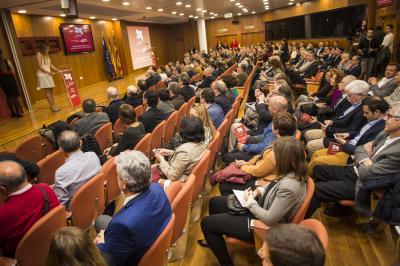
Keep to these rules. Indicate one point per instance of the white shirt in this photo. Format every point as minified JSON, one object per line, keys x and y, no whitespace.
{"x":127,"y":199}
{"x":383,"y":81}
{"x":388,"y":141}
{"x":388,"y":41}
{"x":21,"y":190}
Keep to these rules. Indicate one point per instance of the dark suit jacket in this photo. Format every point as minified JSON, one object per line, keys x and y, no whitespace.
{"x":311,"y":70}
{"x":187,"y":92}
{"x":151,"y":118}
{"x":223,"y":101}
{"x":90,"y":123}
{"x":368,"y":136}
{"x":112,"y":110}
{"x":136,"y":226}
{"x":153,"y":79}
{"x":134,"y":100}
{"x":355,"y":71}
{"x":206,"y":83}
{"x":351,"y":123}
{"x":178,"y":101}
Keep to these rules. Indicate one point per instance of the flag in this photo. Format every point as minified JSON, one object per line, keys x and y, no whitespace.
{"x":117,"y":58}
{"x":112,"y":57}
{"x":107,"y":60}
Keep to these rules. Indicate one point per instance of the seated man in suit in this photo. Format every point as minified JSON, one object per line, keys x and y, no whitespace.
{"x":215,"y":111}
{"x":374,"y":109}
{"x":185,"y":90}
{"x":221,"y":99}
{"x":374,"y":160}
{"x":78,"y":168}
{"x":310,"y":68}
{"x":23,"y":207}
{"x":152,"y":78}
{"x":335,"y":58}
{"x":152,"y":116}
{"x":387,"y":84}
{"x":114,"y":103}
{"x":133,"y":97}
{"x":208,"y":78}
{"x":92,"y":120}
{"x":350,"y":121}
{"x":146,"y":212}
{"x":165,"y":104}
{"x":176,"y":98}
{"x":355,"y":66}
{"x":256,"y":144}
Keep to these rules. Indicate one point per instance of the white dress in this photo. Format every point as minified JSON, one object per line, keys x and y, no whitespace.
{"x":44,"y":80}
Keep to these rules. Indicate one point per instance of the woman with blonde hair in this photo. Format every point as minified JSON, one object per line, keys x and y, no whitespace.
{"x":44,"y":74}
{"x":70,"y":246}
{"x":201,"y":112}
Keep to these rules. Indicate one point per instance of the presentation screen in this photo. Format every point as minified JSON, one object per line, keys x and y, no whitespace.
{"x":77,"y":38}
{"x":140,"y":45}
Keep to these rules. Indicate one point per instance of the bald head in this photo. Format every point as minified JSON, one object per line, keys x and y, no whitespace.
{"x":69,"y":141}
{"x":12,"y":177}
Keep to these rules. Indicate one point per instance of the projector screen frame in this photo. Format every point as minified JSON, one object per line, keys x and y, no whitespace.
{"x":63,"y":39}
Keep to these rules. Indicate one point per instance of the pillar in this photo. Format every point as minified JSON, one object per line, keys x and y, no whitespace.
{"x":201,"y":32}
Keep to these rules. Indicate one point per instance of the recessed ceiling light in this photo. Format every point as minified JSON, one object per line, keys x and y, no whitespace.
{"x":62,"y":15}
{"x":22,"y":11}
{"x":126,"y":3}
{"x":239,"y":14}
{"x":173,"y":12}
{"x":232,"y":0}
{"x":114,"y":19}
{"x":196,"y":16}
{"x":212,"y":17}
{"x":92,"y":17}
{"x":105,"y":0}
{"x":245,"y":11}
{"x":215,"y":15}
{"x":238,"y":4}
{"x":190,"y":16}
{"x":198,"y":9}
{"x":290,"y":4}
{"x":160,"y":10}
{"x":149,"y":8}
{"x":187,"y":6}
{"x":181,"y":14}
{"x":178,"y":3}
{"x":253,"y":12}
{"x":204,"y":11}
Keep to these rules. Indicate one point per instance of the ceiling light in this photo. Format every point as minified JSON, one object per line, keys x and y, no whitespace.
{"x":238,"y":4}
{"x":62,"y":15}
{"x":148,"y":8}
{"x":212,"y":17}
{"x":215,"y":15}
{"x":298,"y":4}
{"x":105,"y":0}
{"x":290,"y":3}
{"x":190,"y":16}
{"x":196,"y":16}
{"x":253,"y":12}
{"x":181,"y":14}
{"x":173,"y":12}
{"x":126,"y":3}
{"x":92,"y":17}
{"x":245,"y":11}
{"x":204,"y":11}
{"x":187,"y":6}
{"x":178,"y":3}
{"x":22,"y":11}
{"x":114,"y":19}
{"x":198,"y":9}
{"x":160,"y":10}
{"x":232,"y":0}
{"x":239,"y":14}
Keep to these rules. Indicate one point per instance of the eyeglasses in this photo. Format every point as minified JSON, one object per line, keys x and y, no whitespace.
{"x":388,"y":115}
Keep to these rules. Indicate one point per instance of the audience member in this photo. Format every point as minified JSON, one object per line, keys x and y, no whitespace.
{"x":72,"y":246}
{"x":130,"y":232}
{"x":354,"y":67}
{"x":200,"y":111}
{"x":142,"y":85}
{"x":152,"y":116}
{"x":395,"y":96}
{"x":176,"y":98}
{"x":165,"y":104}
{"x":373,"y":161}
{"x":31,"y":169}
{"x":291,"y":244}
{"x":78,"y":168}
{"x":133,"y":133}
{"x":219,"y":89}
{"x":185,"y":89}
{"x":114,"y":103}
{"x":241,"y":75}
{"x":368,"y":48}
{"x":387,"y":84}
{"x":152,"y":78}
{"x":208,"y":78}
{"x":181,"y":161}
{"x":133,"y":98}
{"x":215,"y":111}
{"x":23,"y":207}
{"x":277,"y":202}
{"x":92,"y":120}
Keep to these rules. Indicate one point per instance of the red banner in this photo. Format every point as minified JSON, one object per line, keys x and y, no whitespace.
{"x":70,"y":85}
{"x":384,"y":3}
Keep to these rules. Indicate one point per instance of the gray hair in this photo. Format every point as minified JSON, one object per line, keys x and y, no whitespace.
{"x":279,"y":102}
{"x":12,"y":175}
{"x":358,"y":87}
{"x":220,"y":86}
{"x":347,"y":79}
{"x":396,"y":108}
{"x":131,"y":90}
{"x":112,"y":93}
{"x":69,"y":141}
{"x":173,"y":87}
{"x":134,"y":169}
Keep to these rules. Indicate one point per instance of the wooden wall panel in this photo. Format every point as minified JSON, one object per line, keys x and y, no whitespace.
{"x":181,"y":37}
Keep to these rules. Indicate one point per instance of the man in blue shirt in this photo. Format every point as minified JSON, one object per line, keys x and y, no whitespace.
{"x":145,"y":213}
{"x":256,"y":144}
{"x":215,"y":111}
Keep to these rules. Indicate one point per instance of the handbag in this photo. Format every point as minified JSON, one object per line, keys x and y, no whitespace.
{"x":235,"y":208}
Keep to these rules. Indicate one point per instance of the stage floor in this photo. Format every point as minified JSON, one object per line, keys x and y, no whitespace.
{"x":13,"y":131}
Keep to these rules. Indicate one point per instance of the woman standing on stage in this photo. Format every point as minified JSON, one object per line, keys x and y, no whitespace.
{"x":44,"y":75}
{"x":9,"y":85}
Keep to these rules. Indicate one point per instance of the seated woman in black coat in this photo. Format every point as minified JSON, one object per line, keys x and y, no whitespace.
{"x":134,"y":131}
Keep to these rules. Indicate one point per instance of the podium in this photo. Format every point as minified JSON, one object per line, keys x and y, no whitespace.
{"x":70,"y":86}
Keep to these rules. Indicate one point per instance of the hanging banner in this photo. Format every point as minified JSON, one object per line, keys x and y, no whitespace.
{"x":71,"y":88}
